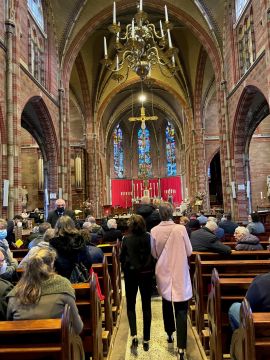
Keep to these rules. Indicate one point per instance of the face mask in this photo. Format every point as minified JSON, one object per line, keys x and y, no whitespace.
{"x":3,"y":234}
{"x":60,"y":210}
{"x":19,"y":224}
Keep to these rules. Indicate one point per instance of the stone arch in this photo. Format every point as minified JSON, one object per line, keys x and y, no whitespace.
{"x":36,"y":119}
{"x":252,"y":109}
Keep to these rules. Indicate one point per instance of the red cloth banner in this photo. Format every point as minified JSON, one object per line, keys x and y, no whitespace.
{"x":121,"y":193}
{"x":171,"y":189}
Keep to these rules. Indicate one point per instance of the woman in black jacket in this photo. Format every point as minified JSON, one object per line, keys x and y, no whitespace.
{"x":70,"y":246}
{"x":137,"y":264}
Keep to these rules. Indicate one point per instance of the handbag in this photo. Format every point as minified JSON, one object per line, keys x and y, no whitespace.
{"x":79,"y":274}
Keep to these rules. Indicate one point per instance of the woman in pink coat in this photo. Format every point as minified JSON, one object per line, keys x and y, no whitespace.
{"x":171,"y":246}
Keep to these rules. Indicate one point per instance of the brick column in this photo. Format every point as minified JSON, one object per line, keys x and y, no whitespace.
{"x":10,"y":112}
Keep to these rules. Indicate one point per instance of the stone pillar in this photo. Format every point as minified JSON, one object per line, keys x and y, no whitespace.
{"x":10,"y":112}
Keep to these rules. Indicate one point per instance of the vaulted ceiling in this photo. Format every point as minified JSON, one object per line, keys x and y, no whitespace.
{"x":80,"y":28}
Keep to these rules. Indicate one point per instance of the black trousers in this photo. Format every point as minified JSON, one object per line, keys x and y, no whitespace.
{"x":180,"y":309}
{"x":143,"y":282}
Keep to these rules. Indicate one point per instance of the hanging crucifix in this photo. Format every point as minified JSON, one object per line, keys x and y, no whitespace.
{"x":143,"y":117}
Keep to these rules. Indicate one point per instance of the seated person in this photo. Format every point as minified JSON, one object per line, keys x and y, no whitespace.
{"x":201,"y":218}
{"x":193,"y":223}
{"x":258,"y":296}
{"x":96,"y":229}
{"x":112,"y":234}
{"x":41,"y":293}
{"x":96,"y":253}
{"x":5,"y":288}
{"x":41,"y":231}
{"x":205,"y":239}
{"x":219,"y":231}
{"x":255,"y":226}
{"x":45,"y":243}
{"x":245,"y":240}
{"x":227,"y":224}
{"x":8,"y":266}
{"x":184,"y":220}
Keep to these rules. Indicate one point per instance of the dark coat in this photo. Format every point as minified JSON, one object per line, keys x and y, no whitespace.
{"x":136,"y":253}
{"x":71,"y":249}
{"x":258,"y":293}
{"x":249,"y":242}
{"x":228,"y":226}
{"x":5,"y":288}
{"x":112,"y":235}
{"x":150,"y":215}
{"x":205,"y":240}
{"x":53,"y":216}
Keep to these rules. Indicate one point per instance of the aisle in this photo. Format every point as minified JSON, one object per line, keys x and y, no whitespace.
{"x":159,"y":348}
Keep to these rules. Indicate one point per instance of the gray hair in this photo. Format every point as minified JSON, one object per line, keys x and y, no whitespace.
{"x":87,"y":225}
{"x":212,"y":218}
{"x":112,"y":224}
{"x":241,"y":230}
{"x":211,"y":225}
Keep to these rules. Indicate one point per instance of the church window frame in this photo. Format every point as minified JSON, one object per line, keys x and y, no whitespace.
{"x":170,"y":145}
{"x":144,"y":153}
{"x":118,"y":152}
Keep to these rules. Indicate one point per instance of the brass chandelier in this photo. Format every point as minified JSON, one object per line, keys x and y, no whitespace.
{"x":140,"y":46}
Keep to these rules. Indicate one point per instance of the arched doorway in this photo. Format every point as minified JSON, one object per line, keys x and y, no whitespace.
{"x":215,"y":183}
{"x":252,"y":109}
{"x":39,"y":153}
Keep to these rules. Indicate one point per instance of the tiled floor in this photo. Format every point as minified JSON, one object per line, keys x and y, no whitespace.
{"x":159,"y":348}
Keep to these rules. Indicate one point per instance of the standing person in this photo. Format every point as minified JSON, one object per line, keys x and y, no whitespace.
{"x":171,"y":247}
{"x":41,"y":293}
{"x":70,"y":246}
{"x":137,"y":265}
{"x":60,"y":210}
{"x":148,"y":212}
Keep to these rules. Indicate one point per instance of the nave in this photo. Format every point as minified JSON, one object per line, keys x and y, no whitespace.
{"x":159,"y":348}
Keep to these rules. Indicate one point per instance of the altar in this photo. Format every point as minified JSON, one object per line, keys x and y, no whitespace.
{"x":127,"y":192}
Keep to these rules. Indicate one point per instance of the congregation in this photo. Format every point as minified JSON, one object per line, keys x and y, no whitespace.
{"x":155,"y":251}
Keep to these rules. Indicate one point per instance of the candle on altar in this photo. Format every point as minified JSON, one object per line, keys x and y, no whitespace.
{"x":137,"y":190}
{"x":154,"y":190}
{"x":157,"y":190}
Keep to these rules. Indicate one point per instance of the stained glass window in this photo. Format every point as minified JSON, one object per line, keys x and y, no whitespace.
{"x":118,"y":152}
{"x":35,"y":7}
{"x":145,"y":163}
{"x":170,"y":150}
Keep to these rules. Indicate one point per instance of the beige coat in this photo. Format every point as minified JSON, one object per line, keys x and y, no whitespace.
{"x":170,"y":244}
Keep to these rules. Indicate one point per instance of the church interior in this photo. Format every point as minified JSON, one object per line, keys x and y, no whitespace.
{"x":105,"y":102}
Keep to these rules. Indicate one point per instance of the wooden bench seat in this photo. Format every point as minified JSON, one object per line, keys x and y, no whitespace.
{"x":89,"y":308}
{"x":52,"y":339}
{"x":253,"y":336}
{"x":225,"y":268}
{"x":224,"y":292}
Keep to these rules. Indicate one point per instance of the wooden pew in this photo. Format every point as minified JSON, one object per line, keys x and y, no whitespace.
{"x":232,"y":244}
{"x":254,"y":334}
{"x":225,"y":268}
{"x":235,"y":255}
{"x":52,"y":339}
{"x":115,"y":272}
{"x":89,"y":308}
{"x":224,"y":292}
{"x":106,"y":288}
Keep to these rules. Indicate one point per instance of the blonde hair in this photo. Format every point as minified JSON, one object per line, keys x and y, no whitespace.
{"x":241,"y":230}
{"x":3,"y":224}
{"x":65,"y":225}
{"x":184,"y":220}
{"x":38,"y":268}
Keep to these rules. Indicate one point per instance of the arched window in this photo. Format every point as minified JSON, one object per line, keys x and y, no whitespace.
{"x":239,"y":7}
{"x":170,"y":150}
{"x":36,"y":10}
{"x":145,"y":164}
{"x":118,"y":152}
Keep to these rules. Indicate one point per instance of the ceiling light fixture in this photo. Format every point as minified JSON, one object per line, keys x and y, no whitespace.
{"x":140,"y":46}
